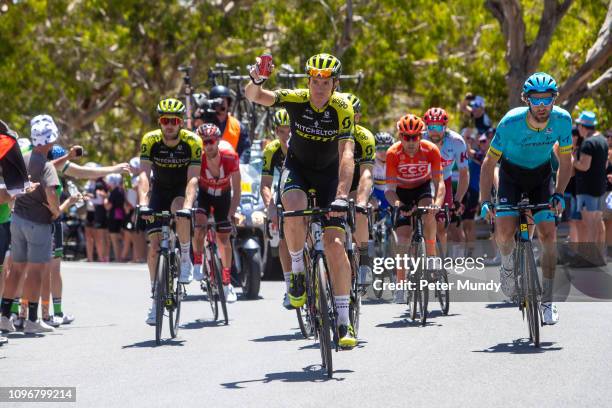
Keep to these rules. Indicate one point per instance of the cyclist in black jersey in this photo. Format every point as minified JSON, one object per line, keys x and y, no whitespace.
{"x":361,"y":188}
{"x":320,"y":156}
{"x":274,"y":159}
{"x":173,"y":155}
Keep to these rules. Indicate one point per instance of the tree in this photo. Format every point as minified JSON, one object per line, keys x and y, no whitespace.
{"x":523,"y":57}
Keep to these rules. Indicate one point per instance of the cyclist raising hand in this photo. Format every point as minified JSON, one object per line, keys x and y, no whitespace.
{"x":320,"y":157}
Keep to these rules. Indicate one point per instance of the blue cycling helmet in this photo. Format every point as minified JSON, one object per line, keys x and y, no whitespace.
{"x":540,"y":82}
{"x":56,"y":152}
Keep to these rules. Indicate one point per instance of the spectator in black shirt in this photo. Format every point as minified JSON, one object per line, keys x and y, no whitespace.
{"x":591,"y":180}
{"x":608,"y":202}
{"x":474,"y":107}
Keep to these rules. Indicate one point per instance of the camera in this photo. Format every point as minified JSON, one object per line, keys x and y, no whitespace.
{"x":205,"y":105}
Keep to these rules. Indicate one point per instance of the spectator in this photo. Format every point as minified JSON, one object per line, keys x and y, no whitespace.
{"x":591,"y":182}
{"x":133,"y":237}
{"x":100,"y":219}
{"x":114,"y":205}
{"x":474,"y":107}
{"x":470,"y":201}
{"x":608,"y":202}
{"x":12,"y":166}
{"x":31,"y":228}
{"x":232,"y":130}
{"x":570,"y":192}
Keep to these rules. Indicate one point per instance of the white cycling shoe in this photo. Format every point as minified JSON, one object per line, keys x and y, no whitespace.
{"x":197,"y":272}
{"x":230,"y":295}
{"x":151,"y":317}
{"x":550,"y":313}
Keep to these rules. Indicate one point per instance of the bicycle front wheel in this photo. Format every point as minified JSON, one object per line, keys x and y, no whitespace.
{"x":324,"y":328}
{"x":161,"y":279}
{"x":532,"y":296}
{"x":443,"y":293}
{"x":355,"y":296}
{"x":174,"y":313}
{"x":217,"y":268}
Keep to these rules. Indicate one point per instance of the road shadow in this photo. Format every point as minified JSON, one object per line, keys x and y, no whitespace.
{"x":279,"y":337}
{"x":520,"y":346}
{"x":312,"y":373}
{"x":96,"y":326}
{"x":153,"y":344}
{"x":405,"y":322}
{"x":199,"y":324}
{"x":501,"y":305}
{"x":195,"y":298}
{"x":312,"y":345}
{"x":244,"y":298}
{"x":438,"y":313}
{"x":375,"y":302}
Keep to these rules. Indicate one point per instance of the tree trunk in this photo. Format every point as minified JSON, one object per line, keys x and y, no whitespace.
{"x":522,"y":58}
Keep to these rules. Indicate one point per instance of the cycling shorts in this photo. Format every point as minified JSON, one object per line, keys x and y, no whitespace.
{"x":411,"y":197}
{"x":217,"y":206}
{"x":161,"y":200}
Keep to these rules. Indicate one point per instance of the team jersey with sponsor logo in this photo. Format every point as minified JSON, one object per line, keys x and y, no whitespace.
{"x":412,"y":171}
{"x":274,"y":158}
{"x":452,"y":151}
{"x":527,"y":147}
{"x":315,"y":132}
{"x":217,"y":185}
{"x":170,"y":164}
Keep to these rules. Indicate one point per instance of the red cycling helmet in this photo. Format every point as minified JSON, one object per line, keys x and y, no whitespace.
{"x":208,"y":130}
{"x":411,"y":125}
{"x":435,"y":115}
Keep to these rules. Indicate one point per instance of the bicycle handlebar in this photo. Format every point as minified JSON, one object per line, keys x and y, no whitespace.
{"x":313,"y":212}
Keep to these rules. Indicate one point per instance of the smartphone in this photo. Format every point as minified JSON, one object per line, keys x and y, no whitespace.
{"x":79,"y":151}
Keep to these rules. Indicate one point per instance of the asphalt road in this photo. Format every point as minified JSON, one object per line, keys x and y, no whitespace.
{"x":476,"y":356}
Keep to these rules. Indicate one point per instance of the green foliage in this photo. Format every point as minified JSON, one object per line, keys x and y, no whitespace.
{"x":99,"y":67}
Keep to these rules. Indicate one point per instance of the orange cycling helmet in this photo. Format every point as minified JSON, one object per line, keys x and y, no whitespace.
{"x":435,"y":115}
{"x":410,"y":124}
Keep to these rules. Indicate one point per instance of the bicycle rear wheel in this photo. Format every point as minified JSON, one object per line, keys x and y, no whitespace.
{"x":212,"y":298}
{"x":323,"y":310}
{"x":160,"y":295}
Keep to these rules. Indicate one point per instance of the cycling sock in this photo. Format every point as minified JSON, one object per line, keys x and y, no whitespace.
{"x":15,"y":306}
{"x":225,"y":276}
{"x":364,"y":258}
{"x":6,"y":307}
{"x":197,"y":258}
{"x":44,"y":307}
{"x":342,"y":306}
{"x":24,"y":308}
{"x":33,"y":311}
{"x":507,"y":262}
{"x":57,"y":307}
{"x":185,"y":249}
{"x":297,"y":261}
{"x":547,"y":292}
{"x":287,"y":276}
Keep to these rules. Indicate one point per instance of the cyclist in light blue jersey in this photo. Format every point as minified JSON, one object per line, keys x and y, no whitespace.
{"x":523,"y":144}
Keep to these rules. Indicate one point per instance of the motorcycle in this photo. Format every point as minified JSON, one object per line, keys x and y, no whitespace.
{"x":249,"y":241}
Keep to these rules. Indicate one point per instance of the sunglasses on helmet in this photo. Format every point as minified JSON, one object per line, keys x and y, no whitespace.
{"x":170,"y":120}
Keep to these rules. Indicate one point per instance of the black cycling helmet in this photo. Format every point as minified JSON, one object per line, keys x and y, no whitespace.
{"x":220,"y":91}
